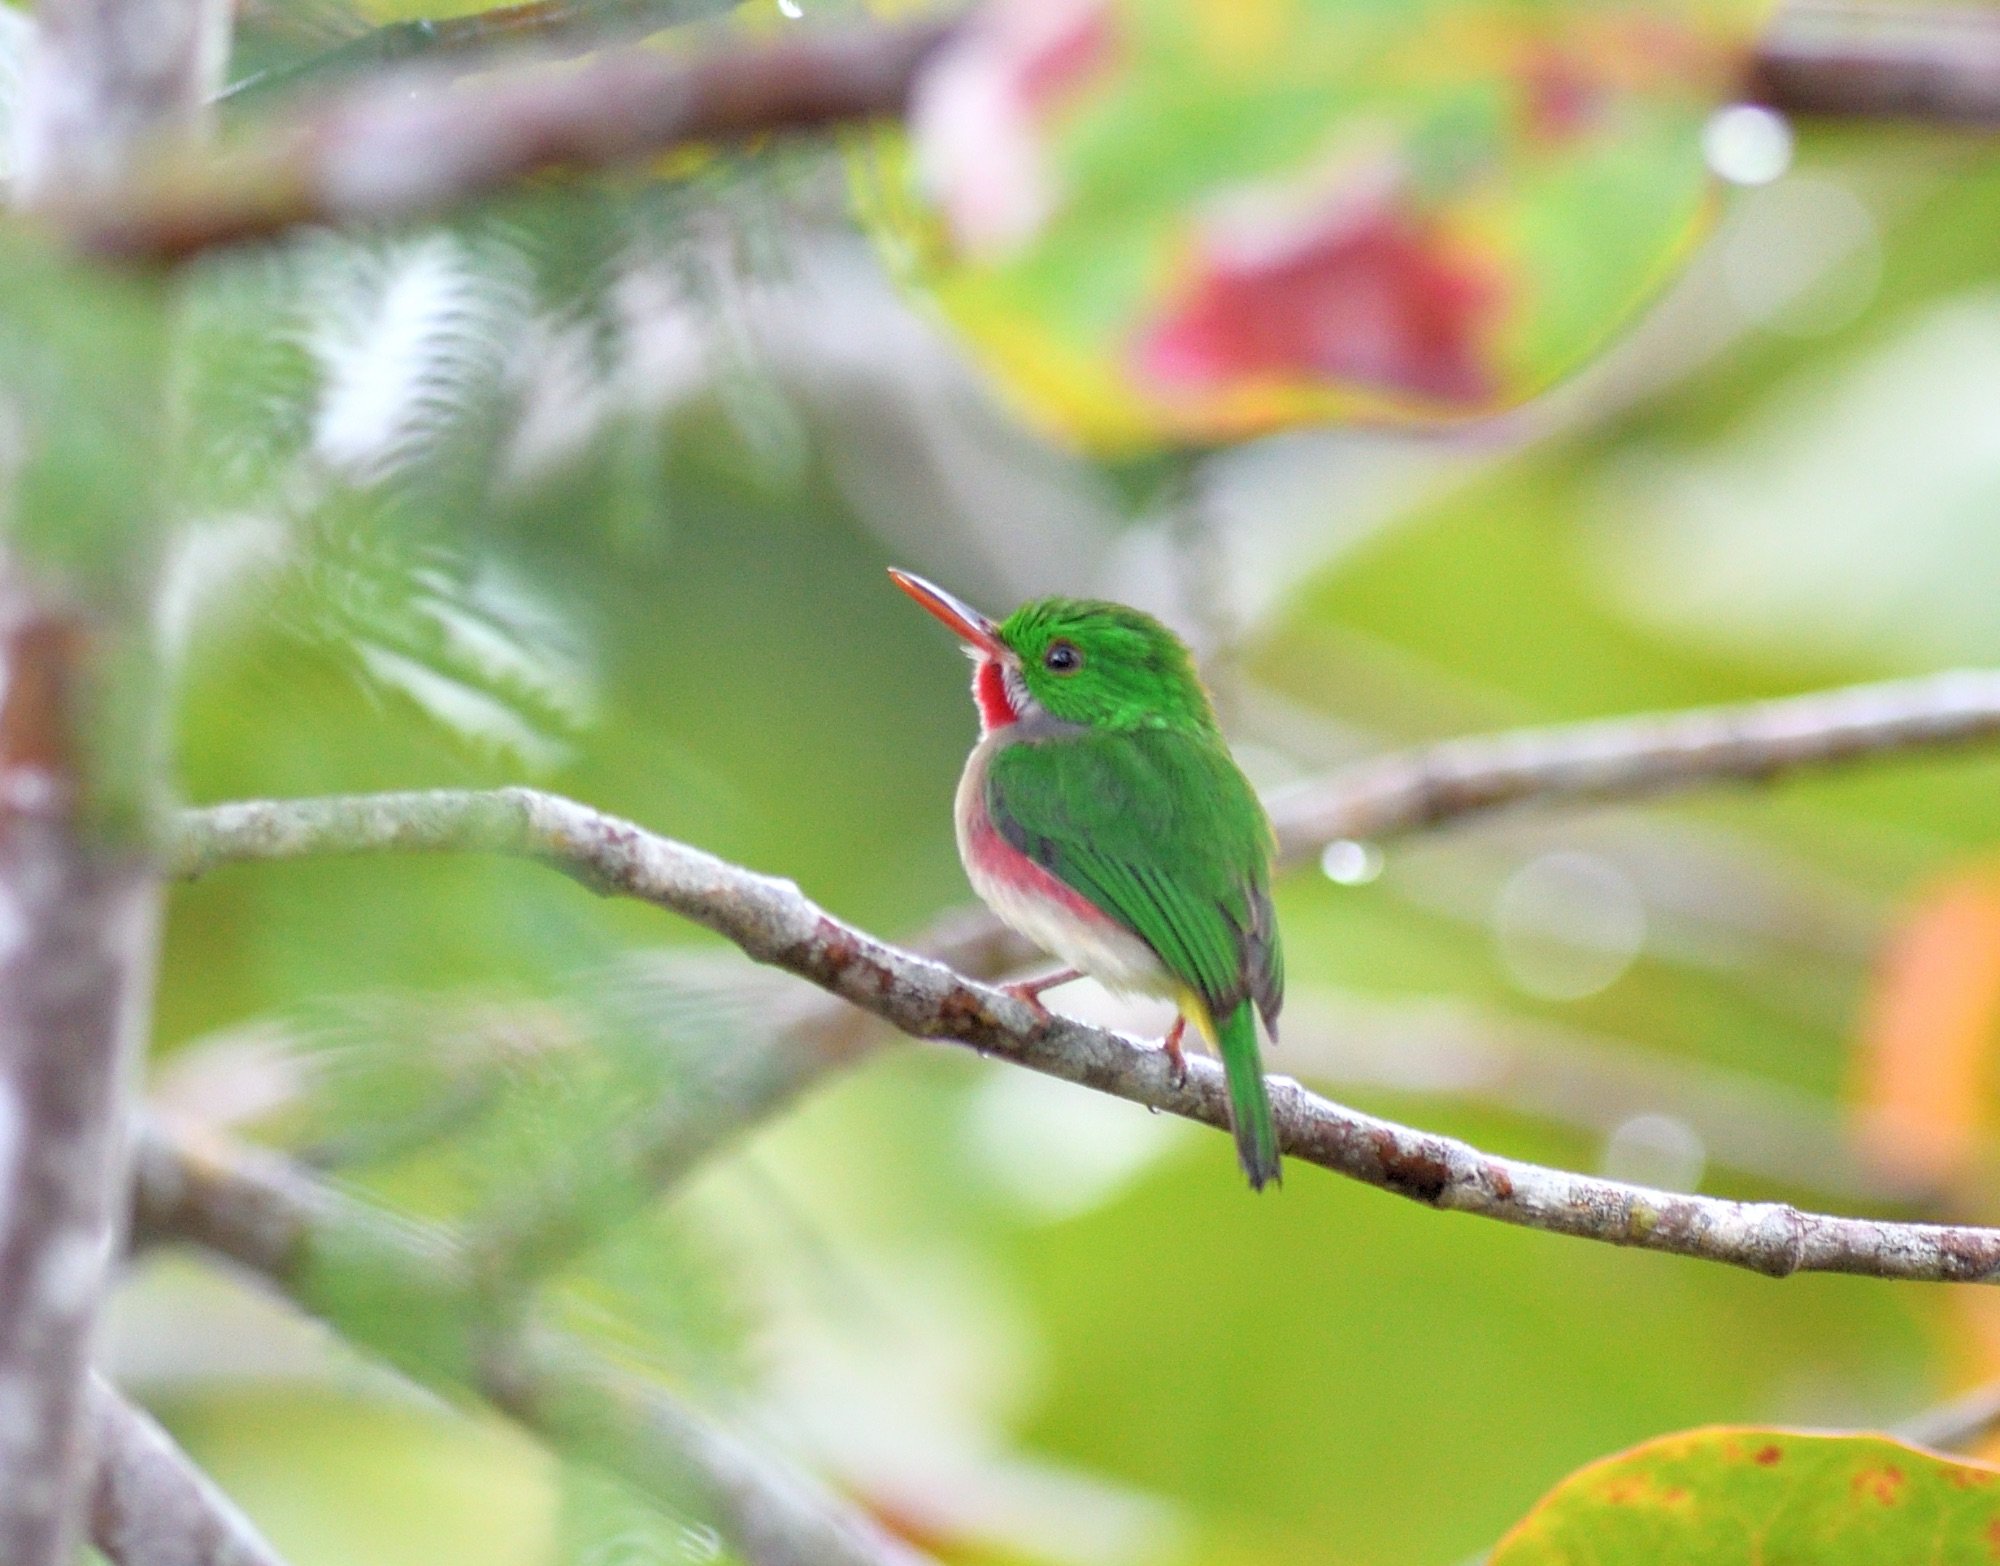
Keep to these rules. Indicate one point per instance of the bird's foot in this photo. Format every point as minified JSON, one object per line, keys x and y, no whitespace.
{"x":1176,"y":1058}
{"x":1030,"y":990}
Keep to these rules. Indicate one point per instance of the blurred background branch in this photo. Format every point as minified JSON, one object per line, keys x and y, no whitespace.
{"x":105,"y":82}
{"x":1628,"y":758}
{"x":273,"y":1219}
{"x":1599,"y":762}
{"x":150,"y":1505}
{"x":1930,"y":64}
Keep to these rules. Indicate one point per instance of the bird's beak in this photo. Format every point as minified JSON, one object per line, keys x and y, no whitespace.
{"x":979,"y":633}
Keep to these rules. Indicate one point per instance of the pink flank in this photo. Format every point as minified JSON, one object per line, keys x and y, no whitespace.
{"x":994,"y":859}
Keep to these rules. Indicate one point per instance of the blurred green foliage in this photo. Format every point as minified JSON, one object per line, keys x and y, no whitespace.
{"x":562,"y":493}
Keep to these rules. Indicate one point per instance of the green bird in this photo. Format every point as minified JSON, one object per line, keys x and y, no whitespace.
{"x":1102,"y":816}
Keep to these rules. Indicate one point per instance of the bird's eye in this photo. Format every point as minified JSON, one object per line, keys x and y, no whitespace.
{"x":1062,"y":658}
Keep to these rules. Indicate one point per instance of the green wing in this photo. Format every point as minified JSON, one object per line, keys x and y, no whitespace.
{"x":1160,"y":830}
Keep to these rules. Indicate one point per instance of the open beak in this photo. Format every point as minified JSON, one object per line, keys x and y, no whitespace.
{"x":979,"y":633}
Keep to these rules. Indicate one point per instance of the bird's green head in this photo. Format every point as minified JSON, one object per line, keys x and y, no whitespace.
{"x":1079,"y":660}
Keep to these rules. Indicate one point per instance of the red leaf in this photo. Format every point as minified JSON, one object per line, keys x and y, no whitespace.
{"x":1372,"y":294}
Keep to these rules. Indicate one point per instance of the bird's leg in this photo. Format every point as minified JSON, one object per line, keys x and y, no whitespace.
{"x":1030,"y":990}
{"x":1176,"y":1060}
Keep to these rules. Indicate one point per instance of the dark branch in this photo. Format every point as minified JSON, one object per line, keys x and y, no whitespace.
{"x":403,"y":149}
{"x":1916,"y":63}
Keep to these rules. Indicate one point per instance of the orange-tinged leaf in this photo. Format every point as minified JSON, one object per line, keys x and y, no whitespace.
{"x":1925,"y":1065}
{"x":1740,"y":1496}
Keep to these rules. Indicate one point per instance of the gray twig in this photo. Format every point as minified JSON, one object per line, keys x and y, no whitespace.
{"x":1407,"y":791}
{"x":1621,"y":759}
{"x":150,"y":1504}
{"x":775,"y":923}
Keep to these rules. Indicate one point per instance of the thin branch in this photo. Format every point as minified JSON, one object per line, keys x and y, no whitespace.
{"x":400,"y":149}
{"x":271,"y":1218}
{"x":1635,"y":758}
{"x":151,"y":1506}
{"x":1428,"y":1050}
{"x":1612,"y":760}
{"x":534,"y":1232}
{"x":774,"y":923}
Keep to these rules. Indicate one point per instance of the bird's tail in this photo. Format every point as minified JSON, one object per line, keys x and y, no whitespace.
{"x":1249,"y":1100}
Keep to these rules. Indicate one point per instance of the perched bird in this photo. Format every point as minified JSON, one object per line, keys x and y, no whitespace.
{"x":1102,"y":816}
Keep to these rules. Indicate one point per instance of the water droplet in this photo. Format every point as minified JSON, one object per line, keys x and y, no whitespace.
{"x":699,"y":1542}
{"x":1662,"y":1151}
{"x":1349,"y":863}
{"x":1802,"y":258}
{"x":790,"y":8}
{"x":1568,"y":925}
{"x":1747,"y":144}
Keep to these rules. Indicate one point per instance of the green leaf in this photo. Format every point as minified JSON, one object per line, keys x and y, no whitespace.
{"x":1736,"y":1494}
{"x":1171,"y":221}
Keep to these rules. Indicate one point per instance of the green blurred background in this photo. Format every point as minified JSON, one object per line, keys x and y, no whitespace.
{"x":1023,"y":1323}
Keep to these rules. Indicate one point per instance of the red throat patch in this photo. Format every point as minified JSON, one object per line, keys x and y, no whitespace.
{"x":989,"y":690}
